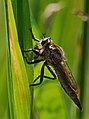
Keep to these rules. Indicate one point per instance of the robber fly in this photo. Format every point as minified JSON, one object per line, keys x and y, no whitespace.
{"x":53,"y":56}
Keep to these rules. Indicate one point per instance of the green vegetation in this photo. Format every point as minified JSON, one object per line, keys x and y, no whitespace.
{"x":67,"y":23}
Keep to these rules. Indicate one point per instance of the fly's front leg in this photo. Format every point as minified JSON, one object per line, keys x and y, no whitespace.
{"x":33,"y":36}
{"x":28,"y":50}
{"x":33,"y":61}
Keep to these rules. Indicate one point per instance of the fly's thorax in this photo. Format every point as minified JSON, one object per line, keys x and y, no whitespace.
{"x":57,"y":53}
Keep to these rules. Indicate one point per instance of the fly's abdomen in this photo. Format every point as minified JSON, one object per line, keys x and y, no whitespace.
{"x":67,"y":81}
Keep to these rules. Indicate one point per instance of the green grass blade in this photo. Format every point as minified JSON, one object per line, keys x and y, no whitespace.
{"x":4,"y":110}
{"x":21,"y":97}
{"x":25,"y":39}
{"x":84,"y":64}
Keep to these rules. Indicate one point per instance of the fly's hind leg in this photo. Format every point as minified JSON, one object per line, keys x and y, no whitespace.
{"x":52,"y":72}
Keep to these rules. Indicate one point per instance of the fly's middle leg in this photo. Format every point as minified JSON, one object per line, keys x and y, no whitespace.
{"x":41,"y":76}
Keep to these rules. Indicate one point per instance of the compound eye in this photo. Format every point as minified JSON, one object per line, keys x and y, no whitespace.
{"x":44,"y":41}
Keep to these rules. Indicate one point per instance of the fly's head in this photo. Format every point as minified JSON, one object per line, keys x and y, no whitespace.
{"x":42,"y":46}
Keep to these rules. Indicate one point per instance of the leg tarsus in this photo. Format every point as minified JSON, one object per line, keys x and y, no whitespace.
{"x":35,"y":84}
{"x":53,"y":78}
{"x":36,"y":80}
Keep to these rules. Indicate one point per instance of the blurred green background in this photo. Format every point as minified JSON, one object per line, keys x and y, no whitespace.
{"x":67,"y":23}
